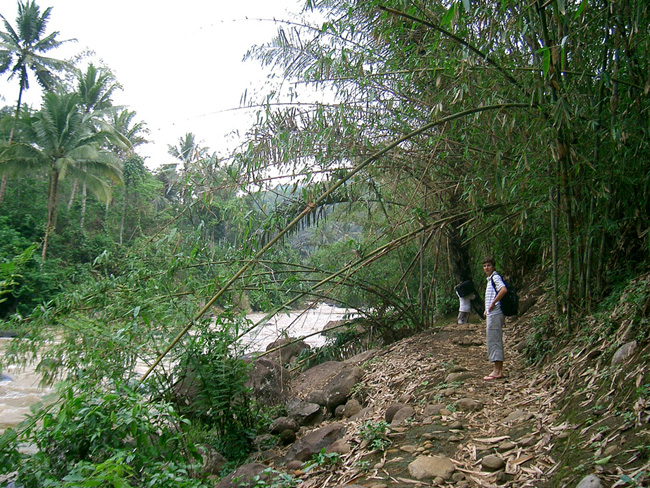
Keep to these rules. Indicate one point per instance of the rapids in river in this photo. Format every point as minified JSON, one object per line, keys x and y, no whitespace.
{"x":20,"y":389}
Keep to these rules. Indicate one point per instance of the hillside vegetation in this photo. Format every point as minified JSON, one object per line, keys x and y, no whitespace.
{"x":397,"y":144}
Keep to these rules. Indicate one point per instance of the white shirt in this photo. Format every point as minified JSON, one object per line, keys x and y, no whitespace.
{"x":491,"y":293}
{"x":465,"y":302}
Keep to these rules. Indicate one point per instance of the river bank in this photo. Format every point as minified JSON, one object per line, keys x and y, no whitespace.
{"x":20,"y":386}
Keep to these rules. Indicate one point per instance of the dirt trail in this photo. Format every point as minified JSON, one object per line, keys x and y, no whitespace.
{"x":457,"y":414}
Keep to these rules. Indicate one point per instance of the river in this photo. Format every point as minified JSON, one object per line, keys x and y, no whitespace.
{"x":19,"y":388}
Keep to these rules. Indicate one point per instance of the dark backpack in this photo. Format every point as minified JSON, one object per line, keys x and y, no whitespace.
{"x":510,"y":301}
{"x":465,"y":288}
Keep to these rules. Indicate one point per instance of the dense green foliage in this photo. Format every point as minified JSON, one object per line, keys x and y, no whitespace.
{"x":455,"y":130}
{"x":107,"y":437}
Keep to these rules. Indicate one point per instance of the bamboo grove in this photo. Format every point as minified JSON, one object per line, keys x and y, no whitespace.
{"x":543,"y":160}
{"x":442,"y":132}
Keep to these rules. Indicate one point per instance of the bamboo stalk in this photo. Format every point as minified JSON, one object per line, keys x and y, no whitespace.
{"x":309,"y":208}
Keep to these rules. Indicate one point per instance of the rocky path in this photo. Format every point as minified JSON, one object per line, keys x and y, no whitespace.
{"x":419,"y":413}
{"x":424,"y":416}
{"x":491,"y":432}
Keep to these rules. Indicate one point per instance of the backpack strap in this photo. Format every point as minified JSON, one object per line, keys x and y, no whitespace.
{"x":495,"y":286}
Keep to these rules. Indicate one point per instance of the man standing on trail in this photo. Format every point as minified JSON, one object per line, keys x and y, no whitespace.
{"x":466,"y":293}
{"x":494,"y":292}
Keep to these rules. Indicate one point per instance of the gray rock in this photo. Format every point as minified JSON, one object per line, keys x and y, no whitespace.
{"x":624,"y":352}
{"x":306,"y":413}
{"x":339,"y":411}
{"x":243,"y":477}
{"x":362,"y":357}
{"x":317,"y":397}
{"x":591,"y":481}
{"x":294,"y":465}
{"x":314,"y":441}
{"x":457,"y":377}
{"x":517,"y":415}
{"x":431,"y":467}
{"x":527,"y":441}
{"x":213,"y":461}
{"x":431,"y":410}
{"x":285,"y":350}
{"x":492,"y":463}
{"x":392,"y":410}
{"x":468,"y":405}
{"x":506,"y":446}
{"x":339,"y":446}
{"x":317,"y":377}
{"x":339,"y":388}
{"x":402,"y":415}
{"x":269,"y":381}
{"x":362,"y":413}
{"x":352,"y":407}
{"x":283,"y":423}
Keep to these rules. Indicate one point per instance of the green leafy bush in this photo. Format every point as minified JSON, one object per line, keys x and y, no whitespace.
{"x":212,"y":386}
{"x":116,"y":437}
{"x":376,"y":435}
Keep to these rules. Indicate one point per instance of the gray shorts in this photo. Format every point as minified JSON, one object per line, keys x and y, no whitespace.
{"x":463,"y":317}
{"x":494,"y":332}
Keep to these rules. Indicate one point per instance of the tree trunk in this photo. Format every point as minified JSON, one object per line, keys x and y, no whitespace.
{"x":3,"y":188}
{"x":3,"y":183}
{"x":122,"y":220}
{"x":83,"y":205}
{"x":72,"y":194}
{"x":51,"y":211}
{"x":554,"y":248}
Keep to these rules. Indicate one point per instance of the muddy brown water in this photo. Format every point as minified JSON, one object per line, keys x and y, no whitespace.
{"x":20,"y":388}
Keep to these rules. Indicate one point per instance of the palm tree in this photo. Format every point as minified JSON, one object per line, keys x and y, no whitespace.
{"x":61,"y":139}
{"x":190,"y":153}
{"x":22,"y":50}
{"x":95,"y":88}
{"x":134,"y":169}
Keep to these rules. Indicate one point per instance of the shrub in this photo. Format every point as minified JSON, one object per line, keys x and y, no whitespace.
{"x":116,"y":437}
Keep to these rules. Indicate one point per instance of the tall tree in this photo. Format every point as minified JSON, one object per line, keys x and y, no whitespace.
{"x":95,"y":88}
{"x":23,"y":49}
{"x":189,"y":153}
{"x":62,"y":140}
{"x":134,"y":170}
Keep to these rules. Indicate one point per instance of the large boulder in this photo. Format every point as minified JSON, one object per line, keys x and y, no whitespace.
{"x":313,"y":442}
{"x":283,"y":423}
{"x":339,"y":388}
{"x":306,"y":413}
{"x":392,"y":410}
{"x":431,"y":467}
{"x":362,"y":357}
{"x":402,"y":415}
{"x":286,"y":349}
{"x":317,"y":377}
{"x":244,"y":476}
{"x":188,"y":387}
{"x":213,"y":461}
{"x":624,"y":352}
{"x":268,"y":381}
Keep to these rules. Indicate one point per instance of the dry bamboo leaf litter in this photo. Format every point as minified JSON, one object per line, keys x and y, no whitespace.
{"x":403,"y":370}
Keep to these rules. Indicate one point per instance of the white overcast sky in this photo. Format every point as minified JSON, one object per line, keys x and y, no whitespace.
{"x":180,"y":63}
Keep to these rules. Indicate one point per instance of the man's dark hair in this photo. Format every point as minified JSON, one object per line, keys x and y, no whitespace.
{"x":490,"y":260}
